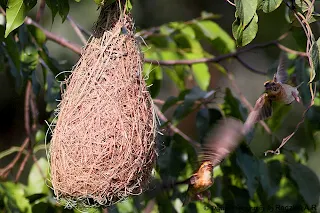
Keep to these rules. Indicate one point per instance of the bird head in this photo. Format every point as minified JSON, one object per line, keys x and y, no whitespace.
{"x":206,"y":166}
{"x":272,"y":87}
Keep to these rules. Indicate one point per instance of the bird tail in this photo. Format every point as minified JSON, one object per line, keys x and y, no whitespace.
{"x":300,"y":84}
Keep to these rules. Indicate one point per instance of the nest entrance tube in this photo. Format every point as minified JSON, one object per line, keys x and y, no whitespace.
{"x":103,"y":145}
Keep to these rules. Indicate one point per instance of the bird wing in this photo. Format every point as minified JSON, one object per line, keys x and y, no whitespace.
{"x":282,"y":75}
{"x":261,"y":111}
{"x":222,"y":140}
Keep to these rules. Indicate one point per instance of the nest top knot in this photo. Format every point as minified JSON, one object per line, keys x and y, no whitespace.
{"x":103,"y":145}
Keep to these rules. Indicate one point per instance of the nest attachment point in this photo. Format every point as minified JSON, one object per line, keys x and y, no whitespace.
{"x":103,"y":144}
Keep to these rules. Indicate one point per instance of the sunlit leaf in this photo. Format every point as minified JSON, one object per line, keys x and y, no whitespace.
{"x":16,"y":13}
{"x":37,"y":178}
{"x":270,"y":5}
{"x":200,"y":71}
{"x":38,"y":34}
{"x":244,"y":34}
{"x":14,"y":197}
{"x":219,"y":38}
{"x":153,"y":77}
{"x":246,"y":10}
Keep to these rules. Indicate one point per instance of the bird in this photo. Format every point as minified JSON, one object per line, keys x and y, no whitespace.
{"x":276,"y":90}
{"x":220,"y":142}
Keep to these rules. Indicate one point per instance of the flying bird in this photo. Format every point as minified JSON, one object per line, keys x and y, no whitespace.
{"x":277,"y":90}
{"x":221,"y":141}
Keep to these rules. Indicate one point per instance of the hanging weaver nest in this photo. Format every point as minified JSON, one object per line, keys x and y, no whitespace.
{"x":103,"y":145}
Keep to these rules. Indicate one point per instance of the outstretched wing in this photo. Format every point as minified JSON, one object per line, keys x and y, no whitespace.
{"x":282,"y":75}
{"x":261,"y":111}
{"x":222,"y":140}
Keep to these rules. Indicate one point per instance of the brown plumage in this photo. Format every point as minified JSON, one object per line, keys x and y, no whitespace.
{"x":275,"y":90}
{"x":221,"y":141}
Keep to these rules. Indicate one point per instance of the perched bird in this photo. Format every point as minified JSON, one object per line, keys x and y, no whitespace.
{"x":275,"y":90}
{"x":221,"y":141}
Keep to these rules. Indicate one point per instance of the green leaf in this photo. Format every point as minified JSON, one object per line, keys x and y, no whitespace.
{"x":63,"y":7}
{"x":37,"y":34}
{"x":270,"y":176}
{"x":219,"y":38}
{"x":246,"y":10}
{"x":53,"y":5}
{"x":205,"y":119}
{"x":171,"y":101}
{"x":307,"y":182}
{"x":14,"y":197}
{"x":36,"y":181}
{"x":244,"y":34}
{"x":233,"y":107}
{"x":16,"y":13}
{"x":29,"y":59}
{"x":270,"y":5}
{"x":249,"y":166}
{"x":279,"y":113}
{"x":58,"y":6}
{"x":200,"y":71}
{"x":186,"y":107}
{"x":99,"y":2}
{"x":153,"y":77}
{"x":188,"y":44}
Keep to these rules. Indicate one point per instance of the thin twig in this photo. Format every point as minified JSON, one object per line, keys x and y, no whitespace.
{"x":53,"y":37}
{"x":150,"y":206}
{"x":249,"y":67}
{"x":5,"y":171}
{"x":77,"y":30}
{"x":35,"y":160}
{"x":22,"y":166}
{"x":195,"y":144}
{"x":40,"y":10}
{"x":27,"y":109}
{"x":229,"y":55}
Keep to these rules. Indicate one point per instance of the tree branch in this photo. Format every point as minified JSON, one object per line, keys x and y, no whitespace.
{"x":193,"y":143}
{"x":53,"y":37}
{"x":77,"y":30}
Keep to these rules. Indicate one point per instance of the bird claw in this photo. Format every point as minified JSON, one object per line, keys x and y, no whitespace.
{"x":199,"y":197}
{"x":208,"y":194}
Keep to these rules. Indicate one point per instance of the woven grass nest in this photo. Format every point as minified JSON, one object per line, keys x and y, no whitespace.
{"x":103,"y":144}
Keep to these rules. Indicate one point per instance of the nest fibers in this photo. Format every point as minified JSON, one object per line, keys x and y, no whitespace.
{"x":103,"y":145}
